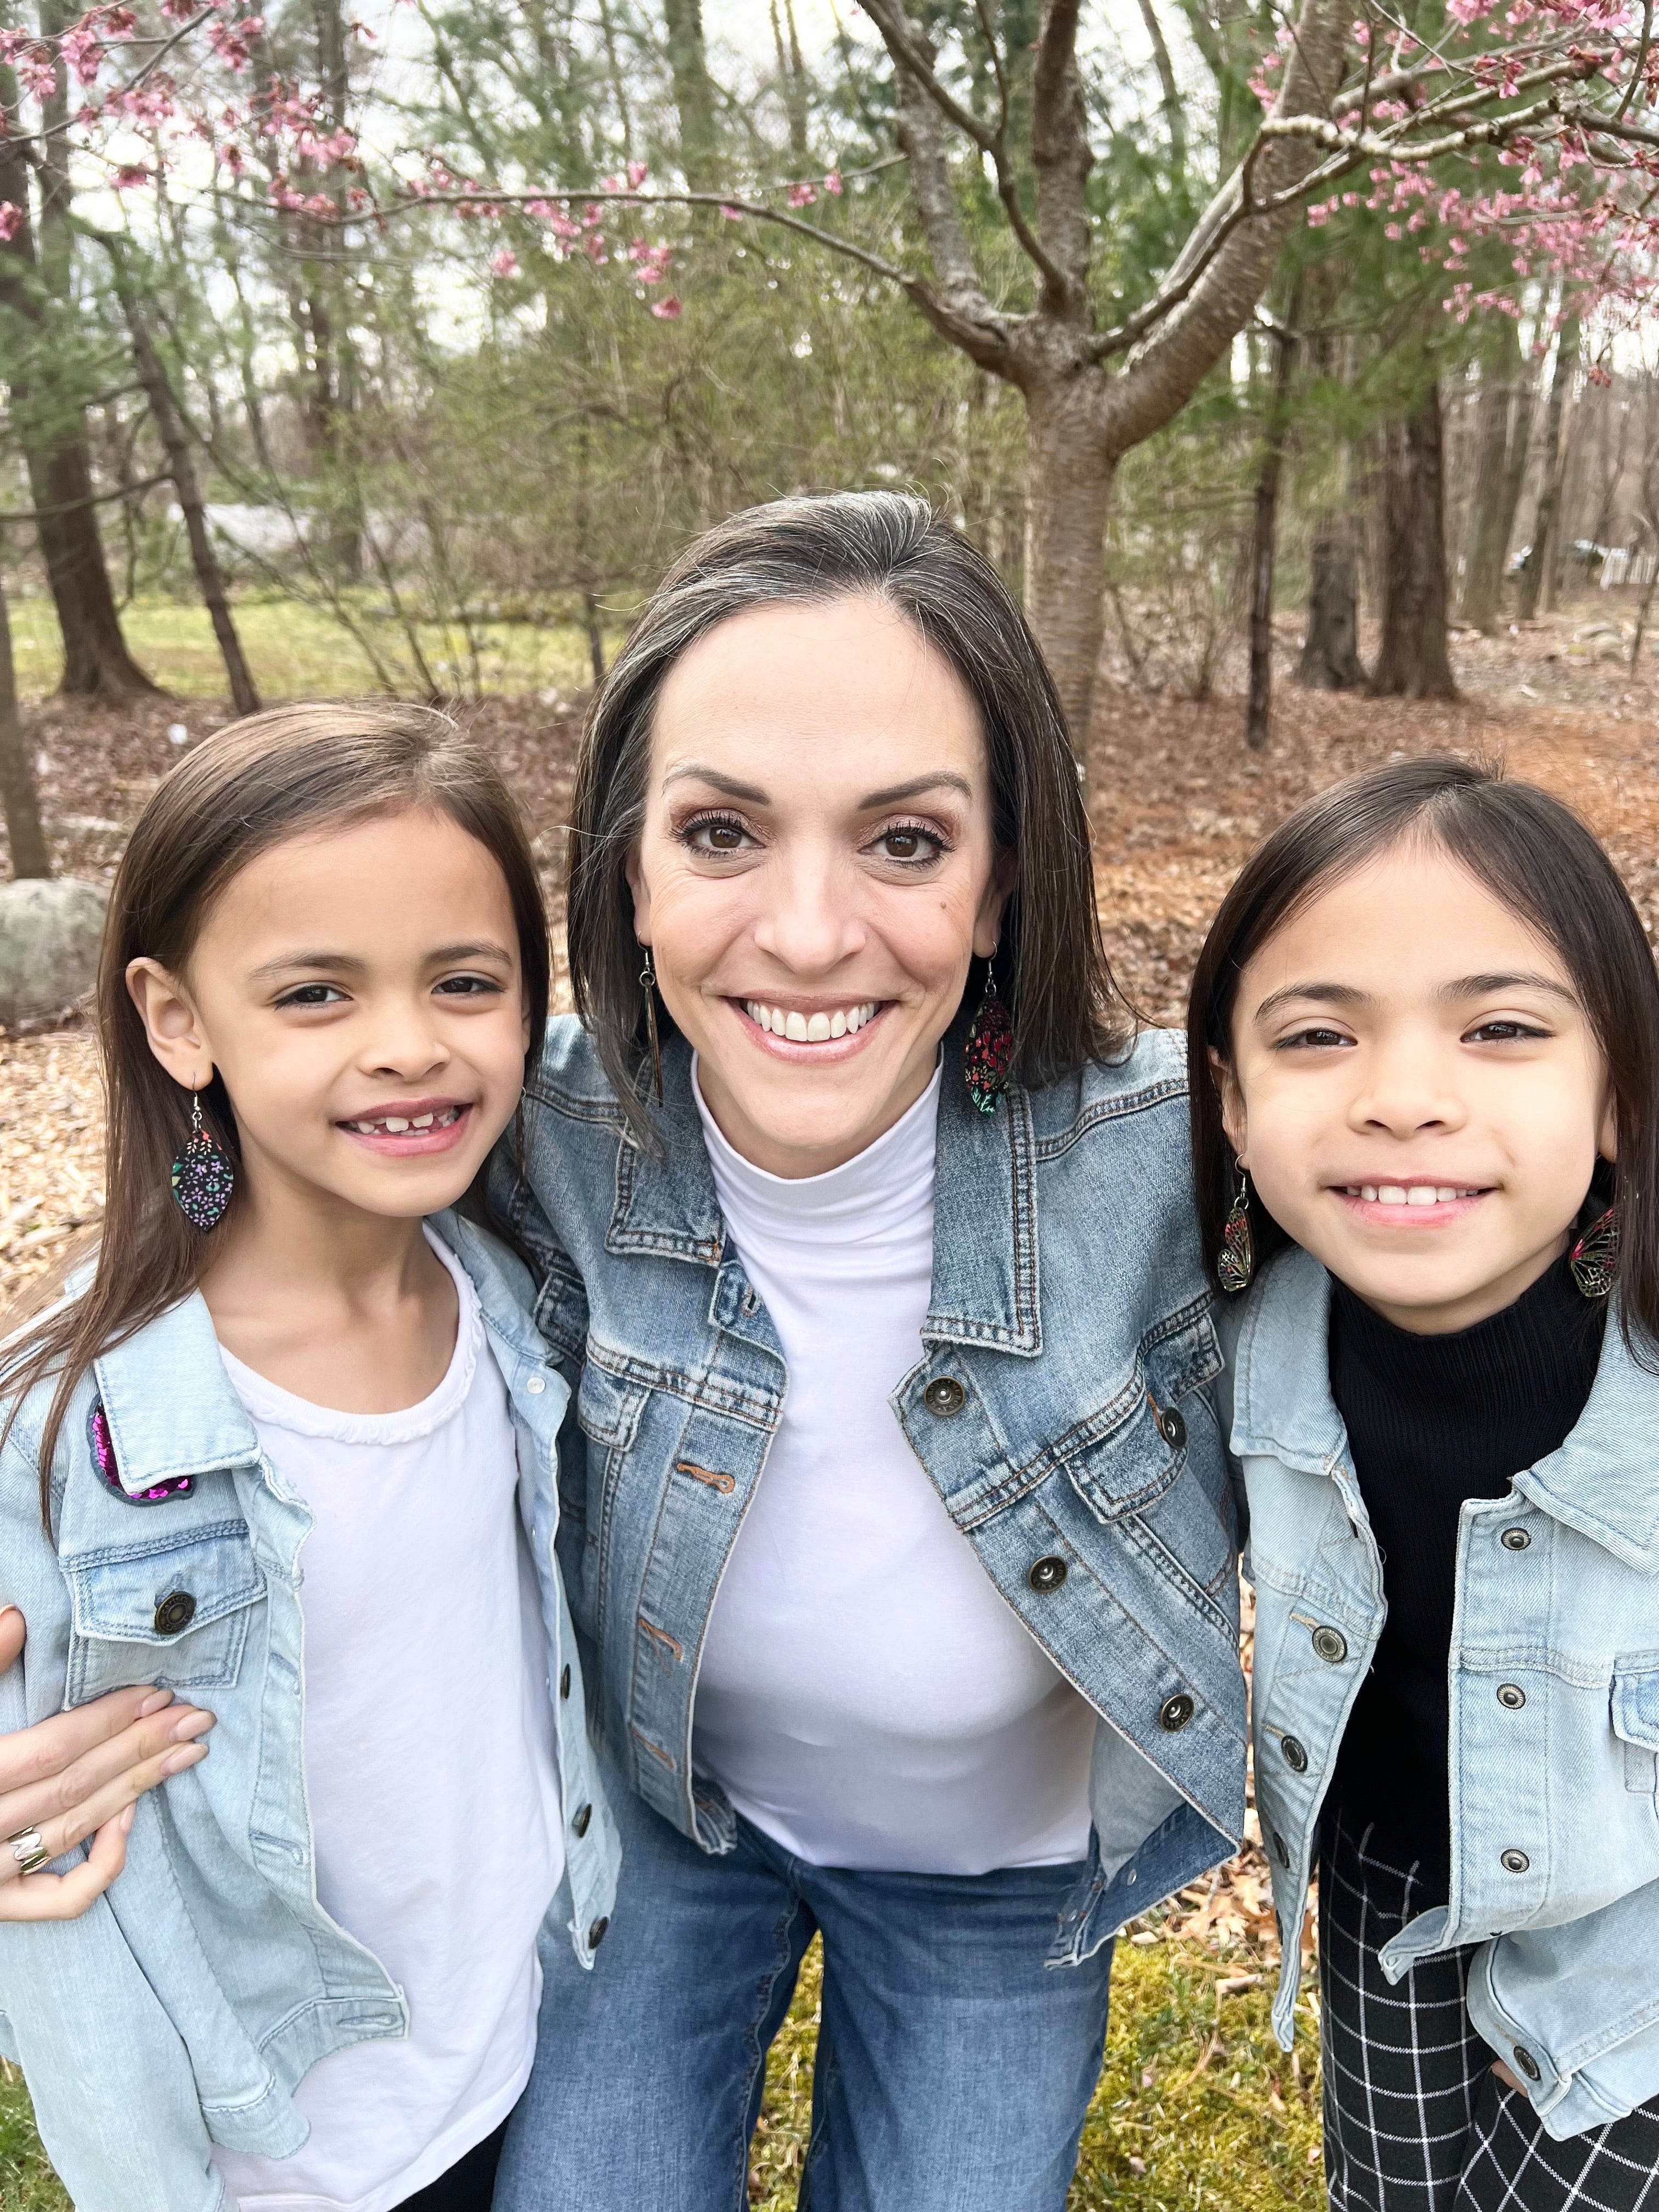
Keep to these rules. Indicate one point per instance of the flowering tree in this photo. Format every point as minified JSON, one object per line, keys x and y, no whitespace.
{"x":1524,"y":121}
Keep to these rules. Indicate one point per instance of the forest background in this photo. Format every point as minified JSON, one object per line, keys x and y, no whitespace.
{"x":1291,"y":359}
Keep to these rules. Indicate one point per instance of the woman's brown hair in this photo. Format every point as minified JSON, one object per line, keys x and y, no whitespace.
{"x":296,"y":771}
{"x":1051,"y":965}
{"x":1536,"y":856}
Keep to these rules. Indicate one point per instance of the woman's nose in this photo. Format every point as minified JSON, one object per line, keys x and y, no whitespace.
{"x":810,"y":921}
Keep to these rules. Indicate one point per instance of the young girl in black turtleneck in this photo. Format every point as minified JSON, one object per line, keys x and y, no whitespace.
{"x":1428,"y":1161}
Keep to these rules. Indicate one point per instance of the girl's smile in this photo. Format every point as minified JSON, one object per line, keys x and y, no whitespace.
{"x":410,"y":1128}
{"x":1410,"y":1204}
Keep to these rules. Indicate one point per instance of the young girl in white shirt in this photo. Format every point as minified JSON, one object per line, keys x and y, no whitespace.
{"x":289,"y":1452}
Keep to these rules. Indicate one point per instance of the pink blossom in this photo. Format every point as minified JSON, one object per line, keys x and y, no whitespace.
{"x":802,"y":195}
{"x":637,"y":174}
{"x":832,"y":182}
{"x":11,"y":221}
{"x":132,"y":179}
{"x":732,"y":214}
{"x":504,"y":262}
{"x":667,"y":310}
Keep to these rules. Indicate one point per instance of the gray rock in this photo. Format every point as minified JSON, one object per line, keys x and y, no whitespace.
{"x":49,"y":937}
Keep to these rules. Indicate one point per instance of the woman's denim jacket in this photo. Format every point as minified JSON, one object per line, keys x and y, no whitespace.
{"x":187,"y":2003}
{"x":1554,"y":1678}
{"x":1061,"y":1406}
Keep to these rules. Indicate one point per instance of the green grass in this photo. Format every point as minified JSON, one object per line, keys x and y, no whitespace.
{"x":296,"y":651}
{"x":1197,"y":2106}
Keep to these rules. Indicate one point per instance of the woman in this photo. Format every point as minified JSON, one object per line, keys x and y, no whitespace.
{"x":852,"y":1174}
{"x":894,"y":1522}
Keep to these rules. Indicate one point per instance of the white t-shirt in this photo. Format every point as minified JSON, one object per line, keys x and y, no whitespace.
{"x":867,"y":1698}
{"x":431,"y":1770}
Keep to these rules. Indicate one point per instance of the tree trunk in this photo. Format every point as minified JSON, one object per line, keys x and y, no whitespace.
{"x":1330,"y":652}
{"x":1414,"y":662}
{"x":18,"y":797}
{"x":1503,"y":418}
{"x":1068,"y":492}
{"x":96,"y":662}
{"x":1264,"y":539}
{"x":208,"y":575}
{"x":693,"y":93}
{"x":1549,"y":491}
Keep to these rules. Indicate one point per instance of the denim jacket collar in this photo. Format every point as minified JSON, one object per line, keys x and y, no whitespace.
{"x":159,"y":1435}
{"x":1600,"y":1481}
{"x":985,"y":1284}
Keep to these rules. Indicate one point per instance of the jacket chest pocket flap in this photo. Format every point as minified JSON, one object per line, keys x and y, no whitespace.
{"x":175,"y":1614}
{"x":1636,"y":1720}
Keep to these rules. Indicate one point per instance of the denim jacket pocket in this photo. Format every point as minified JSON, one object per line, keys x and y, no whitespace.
{"x":174,"y":1613}
{"x":1159,"y":1474}
{"x":1636,"y":1720}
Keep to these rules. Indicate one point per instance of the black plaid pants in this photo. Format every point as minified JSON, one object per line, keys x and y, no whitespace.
{"x":1415,"y":2119}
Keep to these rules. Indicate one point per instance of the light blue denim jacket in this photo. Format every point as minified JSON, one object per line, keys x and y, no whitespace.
{"x":1555,"y":1791}
{"x":1061,"y":1406}
{"x":185,"y":2006}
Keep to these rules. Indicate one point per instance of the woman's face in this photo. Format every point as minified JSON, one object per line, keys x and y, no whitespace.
{"x":815,"y":871}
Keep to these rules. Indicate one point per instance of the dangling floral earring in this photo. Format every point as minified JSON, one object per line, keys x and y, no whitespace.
{"x":1593,"y":1262}
{"x":990,"y":1047}
{"x":649,"y":985}
{"x":1236,"y":1261}
{"x":204,"y":1177}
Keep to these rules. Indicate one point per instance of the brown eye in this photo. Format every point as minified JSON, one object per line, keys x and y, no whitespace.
{"x":902,"y":844}
{"x":723,"y":836}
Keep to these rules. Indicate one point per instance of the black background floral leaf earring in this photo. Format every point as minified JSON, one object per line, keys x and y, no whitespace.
{"x":1236,"y":1261}
{"x":204,"y":1177}
{"x":990,"y":1047}
{"x":1593,"y":1262}
{"x":649,"y":985}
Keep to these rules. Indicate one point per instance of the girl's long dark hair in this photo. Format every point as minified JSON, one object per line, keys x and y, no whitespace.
{"x":1051,"y":966}
{"x":1535,"y":855}
{"x":299,"y":770}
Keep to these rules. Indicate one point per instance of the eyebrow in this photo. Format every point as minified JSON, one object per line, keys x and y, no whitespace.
{"x":1463,"y":987}
{"x":893,"y":794}
{"x":347,"y":963}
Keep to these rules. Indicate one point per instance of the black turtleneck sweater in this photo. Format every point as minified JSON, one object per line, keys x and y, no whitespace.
{"x":1433,"y":1420}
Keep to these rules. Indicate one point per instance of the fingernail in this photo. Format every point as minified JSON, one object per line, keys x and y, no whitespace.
{"x":193,"y":1724}
{"x":188,"y":1754}
{"x":126,"y":1819}
{"x":154,"y":1703}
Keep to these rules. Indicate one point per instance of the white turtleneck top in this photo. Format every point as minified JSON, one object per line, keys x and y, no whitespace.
{"x":867,"y":1697}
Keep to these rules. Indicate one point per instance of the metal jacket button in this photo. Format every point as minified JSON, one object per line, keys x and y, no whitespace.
{"x":580,"y":1823}
{"x":1529,"y":2065}
{"x":596,"y":1932}
{"x":1047,"y":1574}
{"x":1515,"y":1539}
{"x":564,"y":1681}
{"x":175,"y":1611}
{"x":1511,"y":1696}
{"x":1331,"y":1645}
{"x":1175,"y":1712}
{"x":1171,"y":1427}
{"x":1294,"y":1754}
{"x":1514,"y":1862}
{"x":945,"y":1395}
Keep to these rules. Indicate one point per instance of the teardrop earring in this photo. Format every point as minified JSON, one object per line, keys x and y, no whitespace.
{"x":990,"y":1047}
{"x":1235,"y":1263}
{"x":649,"y":985}
{"x":204,"y":1175}
{"x":1593,"y":1262}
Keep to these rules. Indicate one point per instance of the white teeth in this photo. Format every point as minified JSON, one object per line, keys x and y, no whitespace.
{"x":394,"y":1125}
{"x":422,"y":1121}
{"x":1390,"y":1193}
{"x":1420,"y":1194}
{"x":1416,"y":1193}
{"x":1444,"y":1192}
{"x":809,"y":1029}
{"x":1369,"y":1190}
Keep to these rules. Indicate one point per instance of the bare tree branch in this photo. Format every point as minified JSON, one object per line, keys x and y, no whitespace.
{"x":1062,"y":157}
{"x":1174,"y":114}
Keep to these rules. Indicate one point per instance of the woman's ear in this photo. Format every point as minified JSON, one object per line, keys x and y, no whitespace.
{"x":1234,"y":1119}
{"x":171,"y":1022}
{"x":1606,"y":1137}
{"x":993,"y":900}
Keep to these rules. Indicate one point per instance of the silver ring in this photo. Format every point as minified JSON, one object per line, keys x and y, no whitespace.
{"x":30,"y":1853}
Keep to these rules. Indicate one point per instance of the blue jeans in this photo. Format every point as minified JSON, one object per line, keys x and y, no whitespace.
{"x":954,"y":2068}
